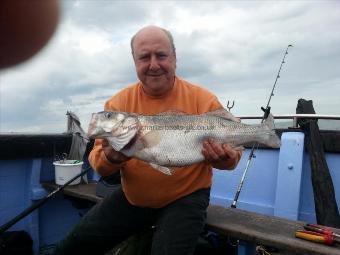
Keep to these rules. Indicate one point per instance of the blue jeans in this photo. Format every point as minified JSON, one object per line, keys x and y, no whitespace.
{"x":177,"y":225}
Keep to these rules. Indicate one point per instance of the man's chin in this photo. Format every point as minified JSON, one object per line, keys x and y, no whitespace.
{"x":156,"y":80}
{"x":157,"y":86}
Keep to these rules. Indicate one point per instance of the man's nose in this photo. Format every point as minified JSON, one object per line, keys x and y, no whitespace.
{"x":154,"y":63}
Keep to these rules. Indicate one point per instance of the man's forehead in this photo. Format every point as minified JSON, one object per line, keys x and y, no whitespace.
{"x":152,"y":37}
{"x":151,"y":32}
{"x":146,"y":48}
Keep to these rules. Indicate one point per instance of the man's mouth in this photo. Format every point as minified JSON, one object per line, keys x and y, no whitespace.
{"x":154,"y":74}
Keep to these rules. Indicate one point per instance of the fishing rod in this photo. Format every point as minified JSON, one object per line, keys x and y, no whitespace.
{"x":30,"y":209}
{"x":255,"y":145}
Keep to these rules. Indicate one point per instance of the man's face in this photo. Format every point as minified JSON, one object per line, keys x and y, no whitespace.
{"x":155,"y":61}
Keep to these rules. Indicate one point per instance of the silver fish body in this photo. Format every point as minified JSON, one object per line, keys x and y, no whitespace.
{"x":176,"y":140}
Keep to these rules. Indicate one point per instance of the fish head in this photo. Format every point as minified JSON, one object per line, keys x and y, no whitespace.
{"x":105,"y":124}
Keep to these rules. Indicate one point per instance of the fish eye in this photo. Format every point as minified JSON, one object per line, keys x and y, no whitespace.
{"x":108,"y":115}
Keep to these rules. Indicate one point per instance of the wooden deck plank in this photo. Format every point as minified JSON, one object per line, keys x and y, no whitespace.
{"x":82,"y":191}
{"x":254,"y":227}
{"x":263,"y":229}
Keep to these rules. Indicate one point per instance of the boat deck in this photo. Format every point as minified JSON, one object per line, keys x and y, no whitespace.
{"x":249,"y":226}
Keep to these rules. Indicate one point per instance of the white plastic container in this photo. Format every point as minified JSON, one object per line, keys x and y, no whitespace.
{"x":65,"y":170}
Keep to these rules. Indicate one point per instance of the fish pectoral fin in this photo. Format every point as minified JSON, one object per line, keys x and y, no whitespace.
{"x":223,"y":113}
{"x":163,"y":169}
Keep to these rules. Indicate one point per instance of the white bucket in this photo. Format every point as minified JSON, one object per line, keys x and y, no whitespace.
{"x":65,"y":170}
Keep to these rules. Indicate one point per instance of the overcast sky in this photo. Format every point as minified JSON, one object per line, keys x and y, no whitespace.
{"x":233,"y":48}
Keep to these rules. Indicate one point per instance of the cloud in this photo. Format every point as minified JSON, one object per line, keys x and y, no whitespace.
{"x":233,"y":48}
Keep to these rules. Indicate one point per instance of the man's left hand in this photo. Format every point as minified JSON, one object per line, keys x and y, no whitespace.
{"x":219,"y":155}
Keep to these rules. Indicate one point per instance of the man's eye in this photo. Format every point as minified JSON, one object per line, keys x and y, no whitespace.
{"x":144,"y":57}
{"x":161,"y":56}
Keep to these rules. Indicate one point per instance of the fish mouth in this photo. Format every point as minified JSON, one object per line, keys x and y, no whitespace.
{"x":93,"y":133}
{"x":98,"y":132}
{"x":91,"y":137}
{"x":98,"y":127}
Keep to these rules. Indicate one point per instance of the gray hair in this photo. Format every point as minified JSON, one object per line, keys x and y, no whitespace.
{"x":168,"y":34}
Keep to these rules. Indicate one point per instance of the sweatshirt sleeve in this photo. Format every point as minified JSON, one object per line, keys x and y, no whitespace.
{"x":100,"y":163}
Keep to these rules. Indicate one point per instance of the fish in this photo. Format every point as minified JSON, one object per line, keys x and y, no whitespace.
{"x":174,"y":139}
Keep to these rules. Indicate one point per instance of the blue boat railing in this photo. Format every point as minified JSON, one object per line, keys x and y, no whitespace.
{"x":293,"y":117}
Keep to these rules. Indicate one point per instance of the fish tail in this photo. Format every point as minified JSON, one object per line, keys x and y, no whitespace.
{"x":270,"y":138}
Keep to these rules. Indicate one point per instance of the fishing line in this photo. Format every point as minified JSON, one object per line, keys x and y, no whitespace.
{"x":255,"y":145}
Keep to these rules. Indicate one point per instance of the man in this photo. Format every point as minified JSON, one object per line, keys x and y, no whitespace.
{"x":176,"y":204}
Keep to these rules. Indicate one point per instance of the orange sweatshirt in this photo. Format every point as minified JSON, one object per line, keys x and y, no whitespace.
{"x":143,"y":185}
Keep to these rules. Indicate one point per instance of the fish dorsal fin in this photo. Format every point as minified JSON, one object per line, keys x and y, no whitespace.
{"x":172,"y":112}
{"x":223,"y":113}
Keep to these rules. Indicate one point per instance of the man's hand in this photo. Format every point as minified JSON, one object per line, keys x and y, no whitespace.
{"x":113,"y":156}
{"x":220,"y":154}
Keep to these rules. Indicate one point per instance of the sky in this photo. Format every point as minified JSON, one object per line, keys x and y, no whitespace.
{"x":232,"y":48}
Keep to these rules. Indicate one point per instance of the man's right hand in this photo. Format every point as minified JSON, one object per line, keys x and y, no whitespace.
{"x":113,"y":156}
